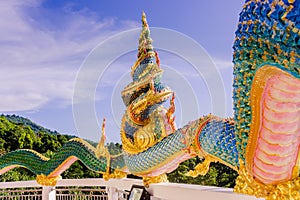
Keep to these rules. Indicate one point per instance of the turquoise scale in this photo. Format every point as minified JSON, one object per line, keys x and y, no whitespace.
{"x":157,"y":154}
{"x":218,"y":139}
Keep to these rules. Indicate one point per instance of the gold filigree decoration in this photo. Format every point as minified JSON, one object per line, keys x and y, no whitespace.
{"x":201,"y":168}
{"x":246,"y":184}
{"x":150,"y":98}
{"x":115,"y":174}
{"x":170,"y":112}
{"x":147,"y":180}
{"x":145,"y":137}
{"x":44,"y":180}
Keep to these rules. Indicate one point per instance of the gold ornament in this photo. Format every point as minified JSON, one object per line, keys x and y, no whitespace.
{"x":246,"y":184}
{"x":44,"y":180}
{"x":155,"y":179}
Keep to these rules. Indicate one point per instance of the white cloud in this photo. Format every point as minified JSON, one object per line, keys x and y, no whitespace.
{"x":223,"y":64}
{"x":38,"y":60}
{"x":30,"y":89}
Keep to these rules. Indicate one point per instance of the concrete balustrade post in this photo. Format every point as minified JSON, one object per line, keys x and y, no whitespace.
{"x":112,"y":193}
{"x":48,"y":193}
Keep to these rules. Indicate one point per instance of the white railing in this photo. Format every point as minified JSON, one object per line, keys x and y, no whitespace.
{"x":114,"y":189}
{"x":21,"y":194}
{"x":20,"y":191}
{"x":81,"y":193}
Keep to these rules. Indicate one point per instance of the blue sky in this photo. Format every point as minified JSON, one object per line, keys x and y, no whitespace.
{"x":45,"y":43}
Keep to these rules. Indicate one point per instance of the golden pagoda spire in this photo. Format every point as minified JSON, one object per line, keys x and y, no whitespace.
{"x":144,"y":20}
{"x":145,"y":41}
{"x":145,"y":67}
{"x":145,"y":48}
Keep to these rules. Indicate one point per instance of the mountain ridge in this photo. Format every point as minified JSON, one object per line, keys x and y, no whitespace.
{"x":19,"y":120}
{"x":27,"y":122}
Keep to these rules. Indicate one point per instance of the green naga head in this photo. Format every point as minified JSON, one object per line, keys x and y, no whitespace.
{"x":146,"y":91}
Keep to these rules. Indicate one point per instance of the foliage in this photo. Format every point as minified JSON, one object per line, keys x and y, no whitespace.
{"x":17,"y":174}
{"x":26,"y":122}
{"x":14,"y":134}
{"x":218,"y":174}
{"x":78,"y":170}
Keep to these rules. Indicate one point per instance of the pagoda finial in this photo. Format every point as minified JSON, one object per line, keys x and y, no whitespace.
{"x":145,"y":41}
{"x":145,"y":72}
{"x":144,"y":20}
{"x":145,"y":48}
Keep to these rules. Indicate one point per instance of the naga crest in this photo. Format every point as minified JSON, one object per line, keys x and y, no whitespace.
{"x":145,"y":121}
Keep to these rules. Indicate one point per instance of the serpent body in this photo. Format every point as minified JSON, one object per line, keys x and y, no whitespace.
{"x":261,"y":142}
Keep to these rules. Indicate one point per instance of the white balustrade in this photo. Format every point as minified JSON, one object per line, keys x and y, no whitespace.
{"x":114,"y":189}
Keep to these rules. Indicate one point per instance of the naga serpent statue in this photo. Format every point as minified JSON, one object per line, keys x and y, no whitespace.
{"x":261,"y":142}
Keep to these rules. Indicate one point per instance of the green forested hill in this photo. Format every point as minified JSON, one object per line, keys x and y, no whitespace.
{"x":21,"y":133}
{"x":27,"y":122}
